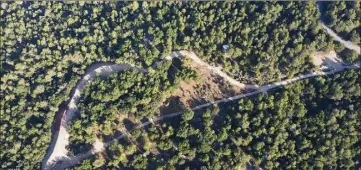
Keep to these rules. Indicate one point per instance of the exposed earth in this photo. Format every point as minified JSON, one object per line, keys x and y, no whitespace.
{"x":214,"y":87}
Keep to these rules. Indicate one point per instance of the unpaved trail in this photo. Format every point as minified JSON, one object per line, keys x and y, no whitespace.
{"x":347,"y":44}
{"x":57,"y":149}
{"x":329,"y":59}
{"x":60,"y":153}
{"x":217,"y":70}
{"x":77,"y":159}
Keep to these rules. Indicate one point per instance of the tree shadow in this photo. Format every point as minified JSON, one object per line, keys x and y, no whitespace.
{"x":55,"y":130}
{"x":58,"y":116}
{"x":251,"y":166}
{"x":128,"y":124}
{"x":56,"y":164}
{"x":333,"y":64}
{"x":173,"y":105}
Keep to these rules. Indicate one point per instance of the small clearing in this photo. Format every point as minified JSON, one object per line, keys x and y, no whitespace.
{"x":210,"y":87}
{"x":326,"y":60}
{"x":98,"y":146}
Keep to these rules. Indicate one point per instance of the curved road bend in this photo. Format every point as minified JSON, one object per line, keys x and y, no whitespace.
{"x":57,"y":148}
{"x":76,"y":159}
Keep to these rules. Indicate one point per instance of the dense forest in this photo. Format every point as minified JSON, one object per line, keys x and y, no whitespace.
{"x":312,"y":124}
{"x":108,"y":105}
{"x":344,"y":17}
{"x":46,"y":47}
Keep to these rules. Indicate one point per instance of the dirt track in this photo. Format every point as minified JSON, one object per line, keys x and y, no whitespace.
{"x":74,"y":160}
{"x":57,"y":149}
{"x":347,"y":44}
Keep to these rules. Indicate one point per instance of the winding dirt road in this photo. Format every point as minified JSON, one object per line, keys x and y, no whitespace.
{"x":56,"y":157}
{"x":57,"y":150}
{"x":76,"y":159}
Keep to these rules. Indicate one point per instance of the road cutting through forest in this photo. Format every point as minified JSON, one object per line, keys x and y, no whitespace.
{"x":347,"y":44}
{"x":58,"y":145}
{"x":63,"y":136}
{"x":56,"y":156}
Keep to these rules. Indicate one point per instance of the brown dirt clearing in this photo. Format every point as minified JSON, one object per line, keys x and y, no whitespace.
{"x":209,"y":87}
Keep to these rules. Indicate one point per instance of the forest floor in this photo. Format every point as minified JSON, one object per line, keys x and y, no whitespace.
{"x":58,"y":152}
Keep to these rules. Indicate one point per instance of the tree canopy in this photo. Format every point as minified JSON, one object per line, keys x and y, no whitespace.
{"x":46,"y":47}
{"x":312,"y":124}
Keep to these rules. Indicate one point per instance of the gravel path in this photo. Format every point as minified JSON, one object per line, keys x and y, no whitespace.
{"x":217,"y":70}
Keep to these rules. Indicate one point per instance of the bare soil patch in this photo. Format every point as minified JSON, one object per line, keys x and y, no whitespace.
{"x":209,"y":87}
{"x":327,"y":60}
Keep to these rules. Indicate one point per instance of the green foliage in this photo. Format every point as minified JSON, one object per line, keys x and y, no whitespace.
{"x":47,"y":47}
{"x":106,"y":101}
{"x":187,"y":115}
{"x":304,"y":125}
{"x":349,"y":56}
{"x":344,"y":18}
{"x":298,"y":126}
